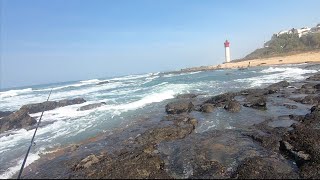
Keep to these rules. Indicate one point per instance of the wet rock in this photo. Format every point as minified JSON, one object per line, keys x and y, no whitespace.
{"x":315,"y":77}
{"x":186,"y":96}
{"x":287,"y":147}
{"x":308,"y":88}
{"x":167,"y":133}
{"x":265,"y":168}
{"x":304,"y":140}
{"x":277,"y":86}
{"x":310,"y":171}
{"x":74,"y":147}
{"x":50,"y":105}
{"x":5,"y":113}
{"x":68,"y":102}
{"x":221,"y":99}
{"x":87,"y":162}
{"x":233,"y":106}
{"x":135,"y":164}
{"x":16,"y":120}
{"x":310,"y":99}
{"x":266,"y":140}
{"x":181,"y":119}
{"x":207,"y":108}
{"x":257,"y":102}
{"x":91,"y":106}
{"x":290,"y":106}
{"x":254,"y":92}
{"x":317,"y":86}
{"x":179,"y":106}
{"x":103,"y":82}
{"x":39,"y":107}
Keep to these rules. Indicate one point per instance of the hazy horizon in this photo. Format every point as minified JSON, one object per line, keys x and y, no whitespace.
{"x":45,"y":42}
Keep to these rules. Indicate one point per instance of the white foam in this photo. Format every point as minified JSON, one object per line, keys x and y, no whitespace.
{"x":131,"y":77}
{"x":13,"y":170}
{"x":12,"y":93}
{"x":156,"y":97}
{"x":82,"y":83}
{"x":278,"y":74}
{"x":90,"y":81}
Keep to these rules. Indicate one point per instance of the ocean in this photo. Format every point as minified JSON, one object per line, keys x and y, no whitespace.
{"x":127,"y":98}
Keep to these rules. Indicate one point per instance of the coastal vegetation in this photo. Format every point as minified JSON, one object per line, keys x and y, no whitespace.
{"x":285,"y":44}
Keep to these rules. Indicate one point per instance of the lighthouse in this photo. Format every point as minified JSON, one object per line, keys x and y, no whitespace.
{"x":227,"y":50}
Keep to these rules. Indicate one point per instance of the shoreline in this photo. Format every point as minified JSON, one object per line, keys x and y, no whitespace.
{"x":307,"y":57}
{"x":147,"y":153}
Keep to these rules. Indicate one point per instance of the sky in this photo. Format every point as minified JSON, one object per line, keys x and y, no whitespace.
{"x":46,"y":41}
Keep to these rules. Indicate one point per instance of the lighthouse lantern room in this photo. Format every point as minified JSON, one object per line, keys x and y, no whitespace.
{"x":227,"y":50}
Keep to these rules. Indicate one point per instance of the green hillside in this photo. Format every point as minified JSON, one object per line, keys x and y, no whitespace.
{"x":286,"y":44}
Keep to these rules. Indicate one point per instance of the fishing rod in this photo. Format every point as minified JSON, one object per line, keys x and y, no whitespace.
{"x":32,"y":140}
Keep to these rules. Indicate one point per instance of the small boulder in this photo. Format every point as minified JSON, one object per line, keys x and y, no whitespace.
{"x":103,"y":82}
{"x":233,"y":106}
{"x":5,"y":113}
{"x":207,"y":108}
{"x":16,"y":120}
{"x":277,"y":86}
{"x":257,"y":102}
{"x":91,"y":106}
{"x":265,"y":168}
{"x":219,"y":100}
{"x":186,"y":96}
{"x":315,"y":77}
{"x":68,"y":102}
{"x":39,"y":107}
{"x":179,"y":106}
{"x":87,"y":162}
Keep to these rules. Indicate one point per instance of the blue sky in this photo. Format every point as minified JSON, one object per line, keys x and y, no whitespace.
{"x":46,"y":41}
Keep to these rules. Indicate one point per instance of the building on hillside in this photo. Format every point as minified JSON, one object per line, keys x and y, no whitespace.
{"x":300,"y":32}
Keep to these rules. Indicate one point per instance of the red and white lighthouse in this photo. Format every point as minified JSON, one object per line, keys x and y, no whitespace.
{"x":227,"y":50}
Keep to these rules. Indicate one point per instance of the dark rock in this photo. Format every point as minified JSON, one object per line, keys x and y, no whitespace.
{"x":317,"y":86}
{"x":186,"y":96}
{"x":156,"y":135}
{"x":308,"y":88}
{"x":233,"y":106}
{"x":265,"y":168}
{"x":181,"y":119}
{"x":257,"y":102}
{"x":179,"y":106}
{"x":290,"y":106}
{"x":315,"y":77}
{"x":310,"y":171}
{"x":219,"y":100}
{"x":310,"y":99}
{"x":16,"y":120}
{"x":87,"y":162}
{"x":50,"y":105}
{"x":288,"y":148}
{"x":207,"y":108}
{"x":5,"y":113}
{"x":39,"y":107}
{"x":68,"y":102}
{"x":139,"y":163}
{"x":304,"y":140}
{"x":254,"y":92}
{"x":266,"y":140}
{"x":103,"y":82}
{"x":277,"y":86}
{"x":91,"y":106}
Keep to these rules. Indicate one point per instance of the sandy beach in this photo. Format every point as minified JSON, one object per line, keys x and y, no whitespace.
{"x":308,"y":57}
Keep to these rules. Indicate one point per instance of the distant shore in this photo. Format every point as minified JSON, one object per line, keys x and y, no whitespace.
{"x":308,"y":57}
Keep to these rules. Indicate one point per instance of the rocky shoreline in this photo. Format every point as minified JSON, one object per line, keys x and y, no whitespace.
{"x":283,"y":140}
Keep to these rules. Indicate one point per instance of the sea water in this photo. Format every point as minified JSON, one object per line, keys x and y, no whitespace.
{"x":125,"y":97}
